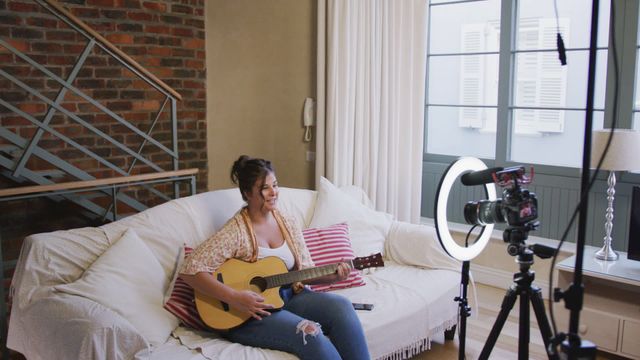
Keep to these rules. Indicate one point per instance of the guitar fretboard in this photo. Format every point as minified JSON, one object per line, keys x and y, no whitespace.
{"x":301,"y":275}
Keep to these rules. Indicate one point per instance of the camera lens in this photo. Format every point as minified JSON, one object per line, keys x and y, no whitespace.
{"x":483,"y":212}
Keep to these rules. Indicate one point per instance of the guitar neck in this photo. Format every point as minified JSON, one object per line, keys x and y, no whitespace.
{"x":301,"y":275}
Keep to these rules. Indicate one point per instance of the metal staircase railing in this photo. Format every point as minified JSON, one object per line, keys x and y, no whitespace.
{"x":20,"y":151}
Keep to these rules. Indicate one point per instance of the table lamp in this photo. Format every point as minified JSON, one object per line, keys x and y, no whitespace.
{"x":623,"y":155}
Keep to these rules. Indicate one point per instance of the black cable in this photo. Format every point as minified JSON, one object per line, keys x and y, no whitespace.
{"x":596,"y":172}
{"x":562,"y":51}
{"x":466,"y":239}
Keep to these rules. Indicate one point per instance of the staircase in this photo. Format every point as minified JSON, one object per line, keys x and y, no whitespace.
{"x":60,"y":124}
{"x":81,"y":121}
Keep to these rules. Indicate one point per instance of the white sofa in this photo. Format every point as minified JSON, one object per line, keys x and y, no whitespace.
{"x":97,"y":292}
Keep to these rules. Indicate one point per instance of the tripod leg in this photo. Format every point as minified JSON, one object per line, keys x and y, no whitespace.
{"x":507,"y":304}
{"x":463,"y":310}
{"x":462,"y":338}
{"x":541,"y":316}
{"x":523,"y":328}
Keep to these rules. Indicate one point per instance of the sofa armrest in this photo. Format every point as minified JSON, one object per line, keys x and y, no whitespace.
{"x":417,"y":245}
{"x":72,"y":327}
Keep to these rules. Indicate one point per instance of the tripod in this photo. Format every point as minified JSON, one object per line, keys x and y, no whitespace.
{"x":463,"y":309}
{"x":528,"y":293}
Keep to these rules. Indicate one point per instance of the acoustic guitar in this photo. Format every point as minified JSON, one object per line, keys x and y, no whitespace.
{"x":264,"y":277}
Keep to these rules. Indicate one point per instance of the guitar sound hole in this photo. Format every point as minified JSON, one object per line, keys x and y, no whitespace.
{"x":258,"y":284}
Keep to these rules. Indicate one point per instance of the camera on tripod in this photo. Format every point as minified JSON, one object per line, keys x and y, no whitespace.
{"x":518,"y":206}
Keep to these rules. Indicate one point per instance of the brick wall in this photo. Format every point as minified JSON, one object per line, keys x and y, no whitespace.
{"x":165,"y":37}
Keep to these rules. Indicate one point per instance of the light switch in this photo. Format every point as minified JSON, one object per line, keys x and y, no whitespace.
{"x":311,"y":156}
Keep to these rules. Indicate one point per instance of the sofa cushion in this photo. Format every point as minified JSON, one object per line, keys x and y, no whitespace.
{"x":54,"y":258}
{"x":330,"y":245}
{"x":128,"y":279}
{"x":181,"y":300}
{"x":417,"y":245}
{"x":368,"y":228}
{"x":107,"y":336}
{"x":298,"y":203}
{"x":163,"y":229}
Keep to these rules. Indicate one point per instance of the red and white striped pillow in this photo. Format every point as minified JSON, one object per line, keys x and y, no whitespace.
{"x":182,"y":304}
{"x":329,"y":245}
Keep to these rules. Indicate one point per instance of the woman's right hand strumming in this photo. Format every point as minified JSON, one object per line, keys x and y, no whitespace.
{"x":245,"y":301}
{"x":251,"y":303}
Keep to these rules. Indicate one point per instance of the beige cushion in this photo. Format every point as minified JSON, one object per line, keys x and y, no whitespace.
{"x":128,"y":279}
{"x":298,"y":203}
{"x":368,"y":228}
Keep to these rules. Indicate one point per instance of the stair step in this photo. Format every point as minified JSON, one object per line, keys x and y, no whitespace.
{"x":50,"y":174}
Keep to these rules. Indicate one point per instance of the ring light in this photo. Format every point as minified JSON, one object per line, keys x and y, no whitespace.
{"x":456,"y":169}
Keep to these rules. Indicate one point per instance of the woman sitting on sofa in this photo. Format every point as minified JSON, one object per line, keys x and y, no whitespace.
{"x":259,"y":230}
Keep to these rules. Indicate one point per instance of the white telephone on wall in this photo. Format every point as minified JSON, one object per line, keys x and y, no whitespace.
{"x":308,"y":117}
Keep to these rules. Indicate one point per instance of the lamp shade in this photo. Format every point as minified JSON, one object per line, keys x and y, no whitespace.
{"x":623,"y":154}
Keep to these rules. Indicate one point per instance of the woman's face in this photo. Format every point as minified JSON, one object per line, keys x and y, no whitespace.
{"x":264,"y":195}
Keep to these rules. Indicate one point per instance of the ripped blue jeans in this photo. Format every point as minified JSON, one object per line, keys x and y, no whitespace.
{"x":341,"y":335}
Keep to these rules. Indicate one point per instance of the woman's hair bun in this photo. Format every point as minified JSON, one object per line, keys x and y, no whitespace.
{"x":247,"y":170}
{"x":237,"y":167}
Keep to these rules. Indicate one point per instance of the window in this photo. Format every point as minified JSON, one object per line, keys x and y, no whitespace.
{"x":548,"y":108}
{"x":543,"y":103}
{"x":463,"y":78}
{"x":495,"y":90}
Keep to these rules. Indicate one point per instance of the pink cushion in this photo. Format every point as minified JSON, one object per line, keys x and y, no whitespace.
{"x":330,"y":245}
{"x":182,"y":304}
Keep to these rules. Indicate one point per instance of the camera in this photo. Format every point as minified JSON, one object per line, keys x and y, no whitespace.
{"x":518,"y":206}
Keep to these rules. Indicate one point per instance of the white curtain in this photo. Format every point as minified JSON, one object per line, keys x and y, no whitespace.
{"x":371,"y":88}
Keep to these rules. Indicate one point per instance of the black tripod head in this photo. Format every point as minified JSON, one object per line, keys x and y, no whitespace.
{"x":516,"y":236}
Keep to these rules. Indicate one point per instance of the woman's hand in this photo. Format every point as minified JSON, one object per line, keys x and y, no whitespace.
{"x":250,"y":303}
{"x":343,"y":271}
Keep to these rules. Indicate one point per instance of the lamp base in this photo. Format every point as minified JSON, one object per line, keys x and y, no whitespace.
{"x":606,"y":253}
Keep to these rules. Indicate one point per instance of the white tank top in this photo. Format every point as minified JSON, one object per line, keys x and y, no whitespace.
{"x":283,"y":252}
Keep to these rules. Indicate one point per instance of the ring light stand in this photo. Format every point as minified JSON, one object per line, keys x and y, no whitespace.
{"x":462,"y":253}
{"x":573,"y":347}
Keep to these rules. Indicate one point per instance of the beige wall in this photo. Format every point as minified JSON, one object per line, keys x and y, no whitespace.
{"x":260,"y":68}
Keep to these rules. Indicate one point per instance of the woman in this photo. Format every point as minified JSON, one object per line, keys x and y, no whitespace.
{"x":310,"y":325}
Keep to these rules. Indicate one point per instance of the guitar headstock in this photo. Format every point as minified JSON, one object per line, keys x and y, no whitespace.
{"x":370,"y":261}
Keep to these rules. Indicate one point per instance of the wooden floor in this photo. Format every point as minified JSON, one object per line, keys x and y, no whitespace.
{"x":479,"y":326}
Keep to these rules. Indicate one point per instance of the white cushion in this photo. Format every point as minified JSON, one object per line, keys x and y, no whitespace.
{"x":368,"y":228}
{"x":128,"y":279}
{"x":298,"y":203}
{"x":358,"y":194}
{"x":417,"y":245}
{"x":209,"y":211}
{"x":163,"y":228}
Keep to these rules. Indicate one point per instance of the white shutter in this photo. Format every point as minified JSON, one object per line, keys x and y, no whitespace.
{"x":553,"y":78}
{"x":491,"y":71}
{"x":527,"y":84}
{"x":541,"y":80}
{"x":471,"y":75}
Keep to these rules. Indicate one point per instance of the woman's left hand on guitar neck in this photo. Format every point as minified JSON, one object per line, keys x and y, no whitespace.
{"x":342,"y":272}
